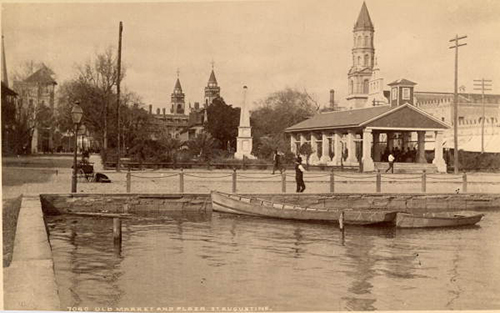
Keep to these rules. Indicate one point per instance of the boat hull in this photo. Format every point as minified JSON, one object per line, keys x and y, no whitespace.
{"x":230,"y":203}
{"x":431,"y":220}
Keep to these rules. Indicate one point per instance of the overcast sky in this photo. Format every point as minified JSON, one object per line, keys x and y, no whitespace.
{"x":266,"y":45}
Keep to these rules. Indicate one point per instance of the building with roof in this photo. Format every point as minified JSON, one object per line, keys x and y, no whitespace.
{"x":9,"y":109}
{"x":186,"y":123}
{"x":377,"y":122}
{"x":36,"y":92}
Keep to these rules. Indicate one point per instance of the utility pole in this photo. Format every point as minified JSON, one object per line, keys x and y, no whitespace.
{"x":483,"y":85}
{"x":118,"y":80}
{"x":455,"y":106}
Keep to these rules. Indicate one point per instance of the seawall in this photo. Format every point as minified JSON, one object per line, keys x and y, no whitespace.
{"x":200,"y":203}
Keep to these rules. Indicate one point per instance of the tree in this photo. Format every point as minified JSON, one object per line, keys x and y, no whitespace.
{"x":223,"y":121}
{"x":278,"y":111}
{"x":94,"y":87}
{"x":201,"y":146}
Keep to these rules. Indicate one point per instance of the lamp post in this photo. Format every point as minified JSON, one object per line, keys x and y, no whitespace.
{"x":76,"y":117}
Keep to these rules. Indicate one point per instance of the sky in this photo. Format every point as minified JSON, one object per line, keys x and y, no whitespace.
{"x":265,"y":45}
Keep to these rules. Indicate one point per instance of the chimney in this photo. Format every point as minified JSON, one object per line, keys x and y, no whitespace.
{"x":150,"y":109}
{"x":332,"y":100}
{"x":164,"y":111}
{"x":158,"y":111}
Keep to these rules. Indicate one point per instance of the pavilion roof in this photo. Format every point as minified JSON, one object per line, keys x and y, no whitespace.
{"x":404,"y":116}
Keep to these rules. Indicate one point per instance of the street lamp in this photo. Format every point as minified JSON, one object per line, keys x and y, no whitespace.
{"x":76,"y":116}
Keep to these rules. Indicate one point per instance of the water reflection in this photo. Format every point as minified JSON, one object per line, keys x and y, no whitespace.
{"x":225,"y":259}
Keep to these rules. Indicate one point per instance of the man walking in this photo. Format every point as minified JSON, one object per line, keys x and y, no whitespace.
{"x":277,"y":161}
{"x":391,"y":163}
{"x":299,"y":175}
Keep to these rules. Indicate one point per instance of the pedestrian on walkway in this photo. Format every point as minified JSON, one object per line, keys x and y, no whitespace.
{"x":391,"y":163}
{"x":299,"y":175}
{"x":277,"y":161}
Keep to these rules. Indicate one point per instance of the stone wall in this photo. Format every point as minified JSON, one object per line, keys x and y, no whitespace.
{"x":146,"y":204}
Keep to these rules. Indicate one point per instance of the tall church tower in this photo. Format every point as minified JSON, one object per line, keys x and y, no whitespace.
{"x":178,"y":104}
{"x":363,"y":55}
{"x":212,"y":90}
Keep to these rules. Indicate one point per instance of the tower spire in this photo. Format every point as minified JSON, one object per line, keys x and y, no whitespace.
{"x":364,"y":21}
{"x":5,"y":78}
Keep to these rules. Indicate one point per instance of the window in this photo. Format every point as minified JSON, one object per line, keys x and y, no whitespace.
{"x":359,"y":60}
{"x":367,"y":41}
{"x":406,"y":93}
{"x":360,"y":41}
{"x":394,"y":93}
{"x":366,"y":59}
{"x":351,"y":87}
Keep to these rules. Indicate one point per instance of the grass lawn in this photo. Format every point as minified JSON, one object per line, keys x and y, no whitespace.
{"x":38,"y":161}
{"x":14,"y":177}
{"x":10,"y":212}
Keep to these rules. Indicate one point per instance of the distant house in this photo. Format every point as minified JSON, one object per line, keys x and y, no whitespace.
{"x":35,"y":93}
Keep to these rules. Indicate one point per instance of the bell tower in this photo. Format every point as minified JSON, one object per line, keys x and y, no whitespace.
{"x":212,"y":90}
{"x":177,"y":98}
{"x":363,"y":55}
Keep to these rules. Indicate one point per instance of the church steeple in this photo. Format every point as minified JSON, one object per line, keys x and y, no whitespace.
{"x":177,"y":98}
{"x":363,"y":54}
{"x":364,"y":21}
{"x":5,"y":78}
{"x":212,"y":90}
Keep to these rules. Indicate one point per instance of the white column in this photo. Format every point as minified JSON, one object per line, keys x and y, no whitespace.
{"x":293,"y":146}
{"x":390,"y":141}
{"x":337,"y":150}
{"x":325,"y":155}
{"x":351,"y":149}
{"x":367,"y":160}
{"x":302,"y":141}
{"x":438,"y":153}
{"x":314,"y":159}
{"x":376,"y":147}
{"x":421,"y":147}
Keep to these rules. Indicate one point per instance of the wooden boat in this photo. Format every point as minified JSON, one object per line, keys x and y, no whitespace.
{"x":236,"y":204}
{"x":438,"y":219}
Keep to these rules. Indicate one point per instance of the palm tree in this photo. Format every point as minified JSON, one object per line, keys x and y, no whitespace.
{"x":201,"y":146}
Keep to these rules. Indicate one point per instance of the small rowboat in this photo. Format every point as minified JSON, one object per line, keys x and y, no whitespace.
{"x":439,"y":219}
{"x":236,"y":204}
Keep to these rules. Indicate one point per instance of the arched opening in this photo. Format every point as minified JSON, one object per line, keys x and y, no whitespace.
{"x":366,"y":60}
{"x":367,"y":41}
{"x":351,"y":87}
{"x":359,"y":60}
{"x":360,"y":41}
{"x":365,"y":86}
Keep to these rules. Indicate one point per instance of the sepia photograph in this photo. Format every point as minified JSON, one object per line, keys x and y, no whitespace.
{"x":250,"y":156}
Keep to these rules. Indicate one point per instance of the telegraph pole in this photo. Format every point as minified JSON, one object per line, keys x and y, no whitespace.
{"x":483,"y":85}
{"x":455,"y":97}
{"x":118,"y":79}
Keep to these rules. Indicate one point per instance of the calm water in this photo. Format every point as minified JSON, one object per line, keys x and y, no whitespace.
{"x":228,"y":260}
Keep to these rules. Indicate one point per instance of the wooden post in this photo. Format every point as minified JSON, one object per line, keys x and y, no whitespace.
{"x":332,"y":182}
{"x":341,"y":221}
{"x":234,"y":180}
{"x":379,"y":181}
{"x":117,"y":229}
{"x":424,"y":181}
{"x":464,"y":182}
{"x":129,"y":180}
{"x":181,"y":181}
{"x":283,"y":182}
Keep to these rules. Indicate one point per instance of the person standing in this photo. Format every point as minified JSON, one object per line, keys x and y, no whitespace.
{"x":277,"y":161}
{"x":391,"y":163}
{"x":299,"y":175}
